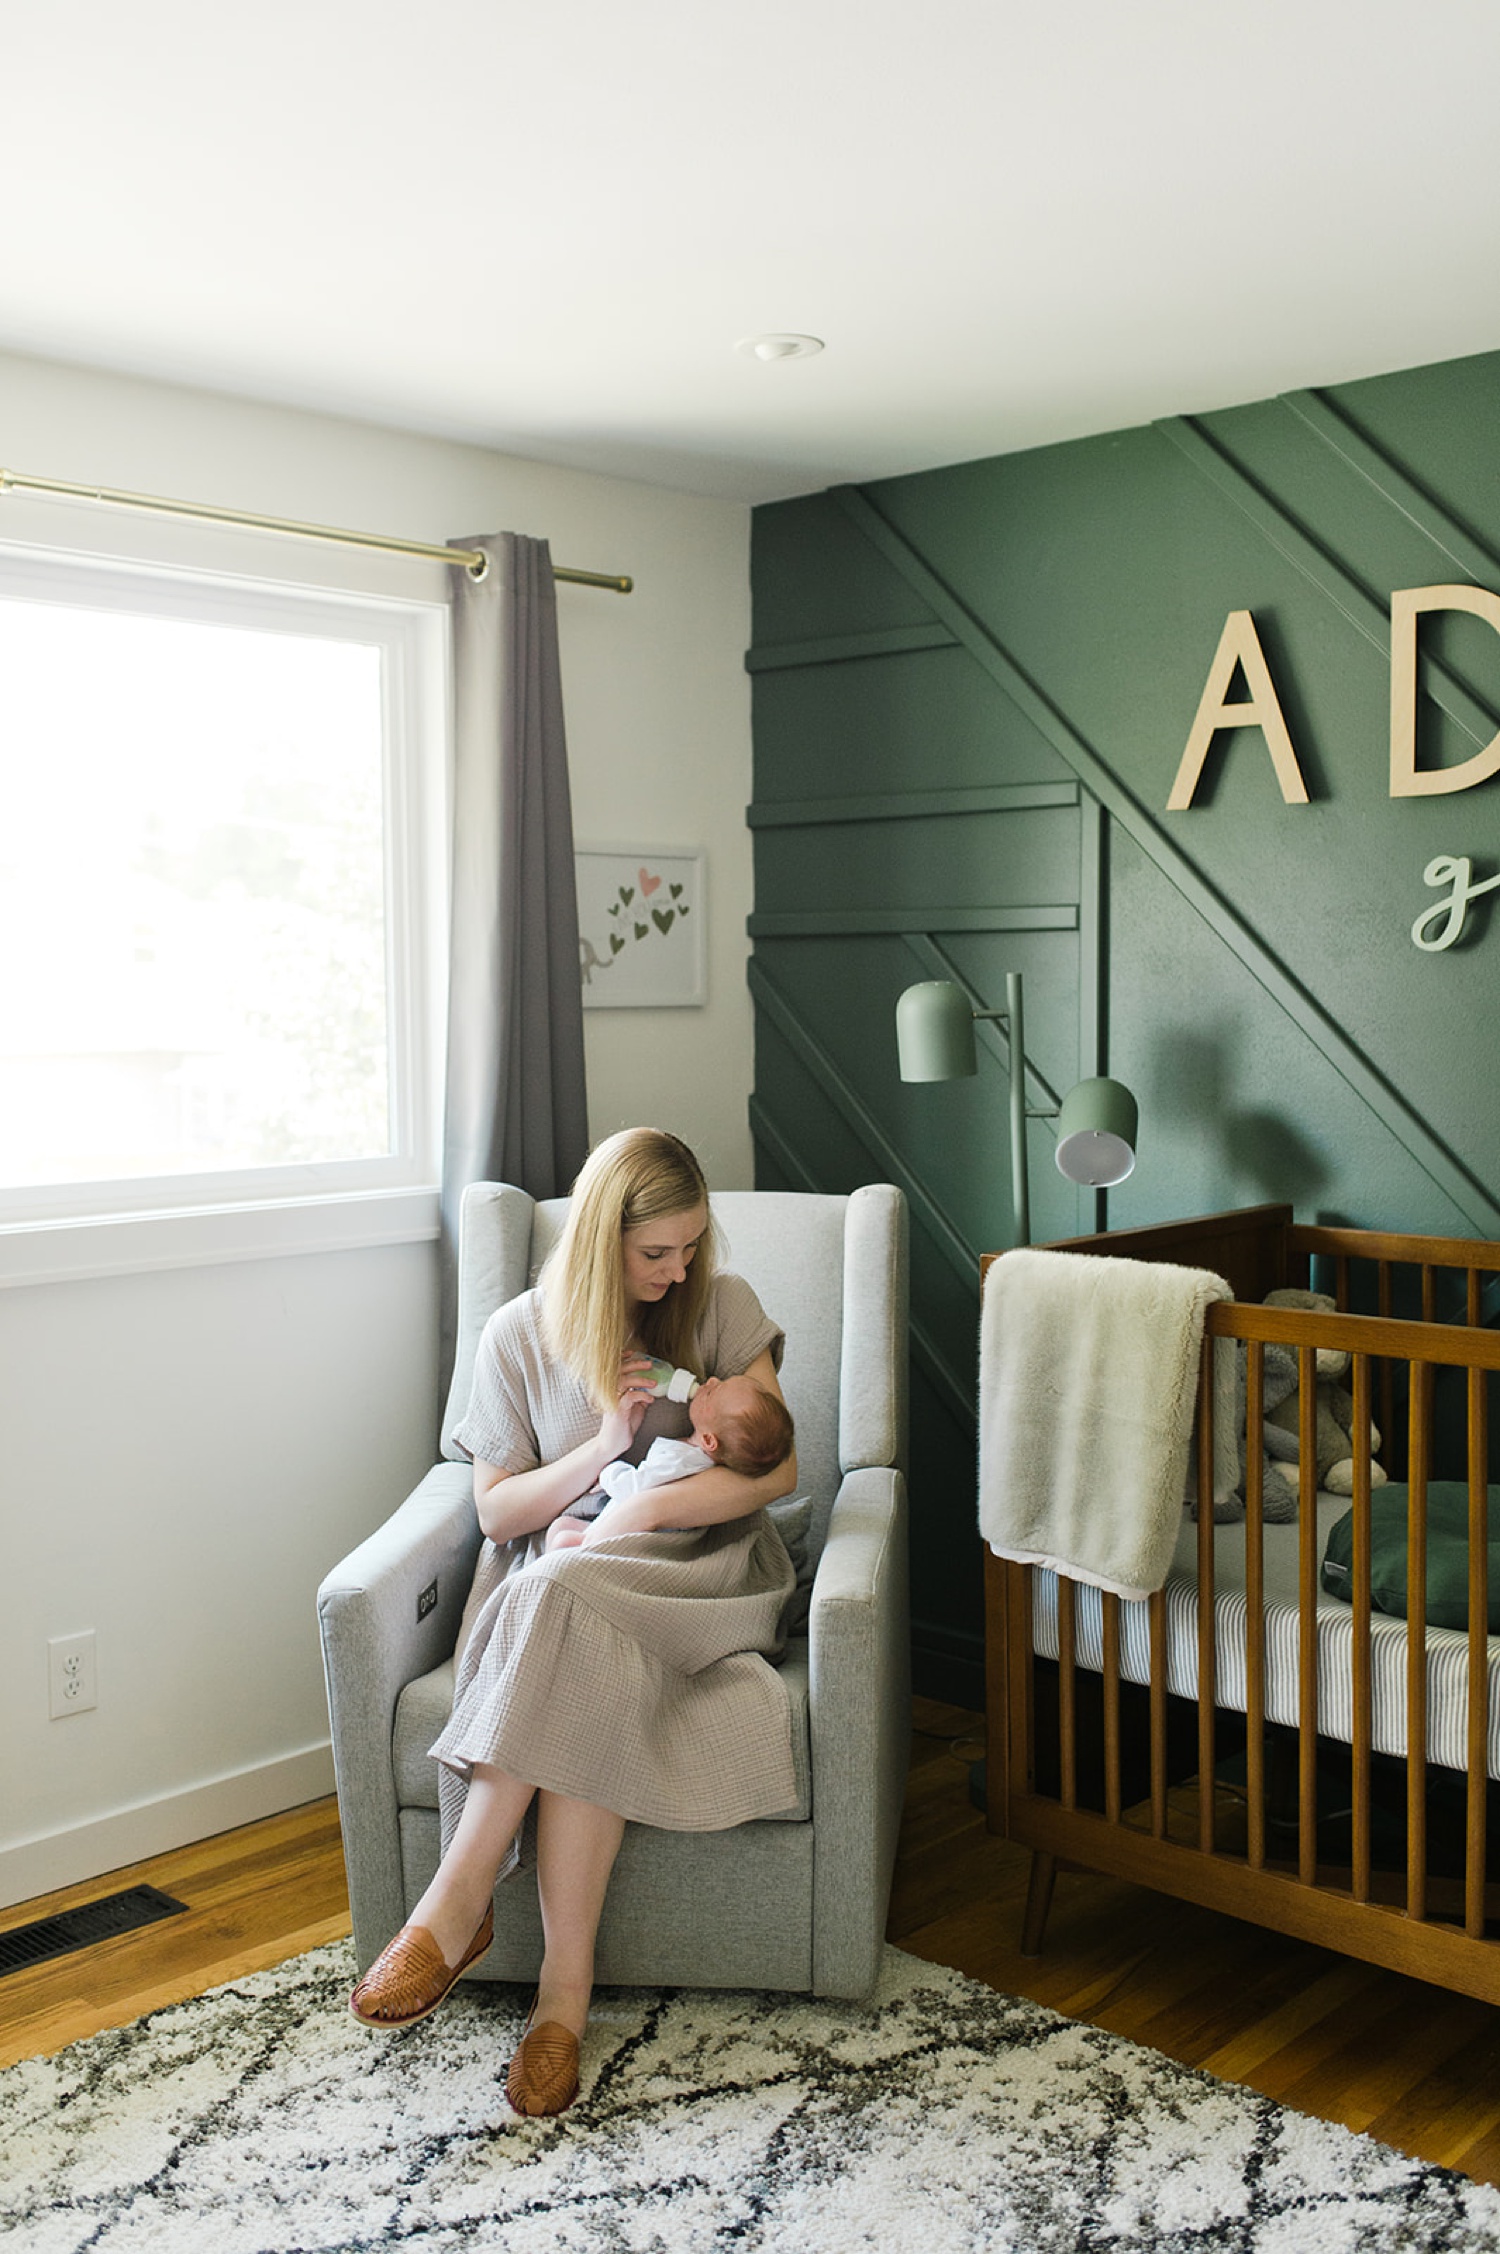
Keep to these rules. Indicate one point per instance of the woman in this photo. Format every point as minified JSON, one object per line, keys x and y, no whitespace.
{"x":582,"y":1699}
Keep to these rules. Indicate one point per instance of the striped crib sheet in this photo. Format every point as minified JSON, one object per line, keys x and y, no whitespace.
{"x":1447,"y":1648}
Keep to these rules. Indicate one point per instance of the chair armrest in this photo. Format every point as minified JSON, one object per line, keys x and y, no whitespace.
{"x":859,"y":1718}
{"x":376,"y":1640}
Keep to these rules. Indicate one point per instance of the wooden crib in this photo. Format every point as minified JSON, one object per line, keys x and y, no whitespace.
{"x":1280,"y":1788}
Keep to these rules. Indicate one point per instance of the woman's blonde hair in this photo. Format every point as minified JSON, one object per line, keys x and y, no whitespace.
{"x":643,"y":1174}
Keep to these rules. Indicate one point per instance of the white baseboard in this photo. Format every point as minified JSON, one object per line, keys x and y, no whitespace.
{"x":153,"y":1827}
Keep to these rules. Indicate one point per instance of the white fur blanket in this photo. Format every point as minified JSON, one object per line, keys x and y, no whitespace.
{"x":1088,"y":1373}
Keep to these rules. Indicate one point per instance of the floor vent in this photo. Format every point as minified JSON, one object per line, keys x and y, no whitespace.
{"x":91,"y":1921}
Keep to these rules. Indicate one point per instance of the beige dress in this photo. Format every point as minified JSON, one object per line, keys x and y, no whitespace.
{"x":636,"y":1673}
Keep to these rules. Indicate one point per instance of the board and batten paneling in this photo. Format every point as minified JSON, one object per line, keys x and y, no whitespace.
{"x":972,"y":689}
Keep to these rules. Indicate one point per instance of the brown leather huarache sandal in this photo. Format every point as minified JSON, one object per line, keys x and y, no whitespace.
{"x":543,"y":2075}
{"x":411,"y":1976}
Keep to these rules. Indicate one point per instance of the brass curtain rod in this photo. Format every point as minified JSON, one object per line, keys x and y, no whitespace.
{"x":12,"y":481}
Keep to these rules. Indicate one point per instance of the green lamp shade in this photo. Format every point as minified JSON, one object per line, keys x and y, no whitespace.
{"x":935,"y":1032}
{"x":1096,"y":1132}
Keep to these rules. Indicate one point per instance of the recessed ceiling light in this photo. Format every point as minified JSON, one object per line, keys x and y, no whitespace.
{"x":786,"y":347}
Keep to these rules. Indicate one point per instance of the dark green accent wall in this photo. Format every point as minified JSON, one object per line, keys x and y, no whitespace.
{"x":972,"y":689}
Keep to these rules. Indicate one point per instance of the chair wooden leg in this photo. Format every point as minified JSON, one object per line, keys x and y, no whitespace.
{"x":1038,"y":1902}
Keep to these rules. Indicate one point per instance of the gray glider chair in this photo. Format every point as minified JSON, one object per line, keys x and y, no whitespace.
{"x":797,"y":1902}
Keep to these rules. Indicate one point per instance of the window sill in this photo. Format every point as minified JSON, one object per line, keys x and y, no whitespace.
{"x":75,"y":1251}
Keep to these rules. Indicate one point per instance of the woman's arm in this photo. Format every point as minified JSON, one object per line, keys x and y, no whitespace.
{"x":512,"y":1503}
{"x":708,"y":1498}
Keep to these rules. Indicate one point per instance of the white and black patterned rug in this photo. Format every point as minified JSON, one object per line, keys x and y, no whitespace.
{"x":261,"y":2119}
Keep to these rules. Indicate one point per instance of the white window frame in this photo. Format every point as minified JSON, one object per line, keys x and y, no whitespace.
{"x":56,"y":1231}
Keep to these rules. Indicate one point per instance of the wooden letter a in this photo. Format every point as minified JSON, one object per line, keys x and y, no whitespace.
{"x":1239,"y":645}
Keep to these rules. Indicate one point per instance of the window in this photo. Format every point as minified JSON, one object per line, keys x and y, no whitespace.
{"x":220,"y":877}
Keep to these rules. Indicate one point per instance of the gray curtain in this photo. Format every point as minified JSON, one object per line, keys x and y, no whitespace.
{"x":517,"y":1109}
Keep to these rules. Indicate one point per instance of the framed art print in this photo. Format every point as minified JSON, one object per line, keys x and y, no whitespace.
{"x":640,"y":927}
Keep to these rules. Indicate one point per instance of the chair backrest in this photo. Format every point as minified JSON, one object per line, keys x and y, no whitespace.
{"x":830,"y":1270}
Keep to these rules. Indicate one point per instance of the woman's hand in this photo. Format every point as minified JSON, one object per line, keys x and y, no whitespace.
{"x":513,"y":1503}
{"x":637,"y":1391}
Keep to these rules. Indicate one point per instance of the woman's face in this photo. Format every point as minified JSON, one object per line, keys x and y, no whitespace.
{"x":659,"y":1253}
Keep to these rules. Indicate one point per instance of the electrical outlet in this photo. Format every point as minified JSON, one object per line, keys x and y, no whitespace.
{"x":70,"y":1674}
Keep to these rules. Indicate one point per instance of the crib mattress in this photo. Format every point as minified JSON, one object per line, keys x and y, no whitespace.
{"x":1447,"y":1648}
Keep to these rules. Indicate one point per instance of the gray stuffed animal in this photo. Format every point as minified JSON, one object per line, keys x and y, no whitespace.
{"x":1334,"y":1439}
{"x":1281,"y":1428}
{"x":1278,"y":1490}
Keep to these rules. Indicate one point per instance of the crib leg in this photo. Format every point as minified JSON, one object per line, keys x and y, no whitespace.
{"x":1038,"y":1902}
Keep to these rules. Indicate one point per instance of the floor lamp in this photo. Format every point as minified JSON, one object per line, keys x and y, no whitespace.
{"x":1097,"y":1121}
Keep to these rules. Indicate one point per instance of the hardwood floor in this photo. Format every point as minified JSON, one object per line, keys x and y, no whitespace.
{"x":255,"y":1897}
{"x":1411,"y":2064}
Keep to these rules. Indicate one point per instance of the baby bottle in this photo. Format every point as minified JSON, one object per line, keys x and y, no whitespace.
{"x":672,"y":1385}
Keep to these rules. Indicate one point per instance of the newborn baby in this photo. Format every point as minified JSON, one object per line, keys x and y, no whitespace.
{"x":736,"y":1423}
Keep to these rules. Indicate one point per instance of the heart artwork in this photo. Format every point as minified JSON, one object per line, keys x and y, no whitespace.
{"x":649,"y":884}
{"x":641,"y":930}
{"x":663,"y":918}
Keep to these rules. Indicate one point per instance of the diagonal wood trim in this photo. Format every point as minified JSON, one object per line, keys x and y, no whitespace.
{"x":1428,"y":1150}
{"x":839,"y":649}
{"x":958,"y":1397}
{"x":1369,"y":617}
{"x":1452,"y":539}
{"x":782,"y":1150}
{"x":935,"y":1366}
{"x":865,"y":923}
{"x":857,"y":1116}
{"x":912,"y":805}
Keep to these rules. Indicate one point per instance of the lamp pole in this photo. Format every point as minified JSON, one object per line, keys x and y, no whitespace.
{"x":1013,"y":1018}
{"x":1096,"y":1121}
{"x":1020,"y":1174}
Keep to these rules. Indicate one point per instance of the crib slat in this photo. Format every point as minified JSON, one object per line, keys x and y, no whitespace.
{"x":1307,"y":1601}
{"x":1255,"y":1608}
{"x":1111,"y":1611}
{"x":1417,"y":1472}
{"x":1429,"y":1294}
{"x":1157,"y":1606}
{"x":1067,"y":1690}
{"x":1363,"y":1714}
{"x":1341,"y":1283}
{"x":1010,"y":1662}
{"x":1387,"y":1375}
{"x":1206,"y":1683}
{"x":1479,"y":1670}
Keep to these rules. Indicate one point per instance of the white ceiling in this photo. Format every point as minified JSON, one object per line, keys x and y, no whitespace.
{"x":544,"y":228}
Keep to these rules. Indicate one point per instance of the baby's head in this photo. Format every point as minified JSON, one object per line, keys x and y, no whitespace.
{"x":740,"y":1424}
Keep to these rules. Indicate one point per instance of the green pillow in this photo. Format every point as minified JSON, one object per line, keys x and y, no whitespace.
{"x":792,"y":1519}
{"x":1447,"y":1554}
